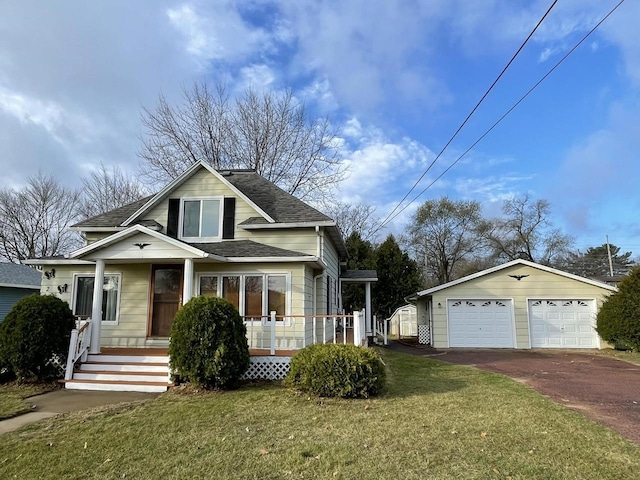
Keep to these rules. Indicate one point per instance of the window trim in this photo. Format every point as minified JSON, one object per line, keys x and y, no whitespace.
{"x":74,"y":292}
{"x":265,"y":290}
{"x":201,"y":199}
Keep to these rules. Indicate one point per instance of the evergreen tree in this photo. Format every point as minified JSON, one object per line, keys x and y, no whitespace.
{"x":398,"y":277}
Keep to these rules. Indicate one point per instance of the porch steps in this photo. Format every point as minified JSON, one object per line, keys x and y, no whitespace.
{"x":131,"y":371}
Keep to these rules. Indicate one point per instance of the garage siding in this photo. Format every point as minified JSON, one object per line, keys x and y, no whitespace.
{"x":499,"y":285}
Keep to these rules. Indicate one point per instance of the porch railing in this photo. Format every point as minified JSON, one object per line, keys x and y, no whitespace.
{"x":380,"y":330}
{"x":293,"y":332}
{"x":78,"y":346}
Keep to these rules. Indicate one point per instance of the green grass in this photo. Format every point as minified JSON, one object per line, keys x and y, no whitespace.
{"x":12,"y":397}
{"x":627,"y":356}
{"x":435,"y":421}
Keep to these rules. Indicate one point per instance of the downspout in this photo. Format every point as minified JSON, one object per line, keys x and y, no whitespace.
{"x":315,"y":292}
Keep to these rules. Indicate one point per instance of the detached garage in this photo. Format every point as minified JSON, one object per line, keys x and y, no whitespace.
{"x":516,"y":305}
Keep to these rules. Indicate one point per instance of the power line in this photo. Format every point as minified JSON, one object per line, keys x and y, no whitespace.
{"x":389,"y":218}
{"x":471,"y":113}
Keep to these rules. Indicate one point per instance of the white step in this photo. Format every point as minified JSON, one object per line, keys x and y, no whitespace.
{"x":119,"y":367}
{"x":121,"y":377}
{"x":116,"y":386}
{"x":128,"y":358}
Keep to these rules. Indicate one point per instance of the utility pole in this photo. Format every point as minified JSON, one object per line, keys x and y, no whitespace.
{"x":609,"y":255}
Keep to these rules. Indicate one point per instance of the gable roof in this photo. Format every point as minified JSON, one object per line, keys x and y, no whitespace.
{"x":114,"y":218}
{"x":512,"y":263}
{"x":134,"y":229}
{"x":19,"y":276}
{"x":274,"y":204}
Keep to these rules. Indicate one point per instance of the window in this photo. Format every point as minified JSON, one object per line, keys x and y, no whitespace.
{"x":201,"y":218}
{"x":248,"y":293}
{"x":83,"y":296}
{"x":253,"y":297}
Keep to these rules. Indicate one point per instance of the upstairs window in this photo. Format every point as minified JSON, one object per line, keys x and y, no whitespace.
{"x":201,"y":219}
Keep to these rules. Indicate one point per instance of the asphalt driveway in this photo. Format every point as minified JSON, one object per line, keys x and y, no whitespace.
{"x":602,"y":388}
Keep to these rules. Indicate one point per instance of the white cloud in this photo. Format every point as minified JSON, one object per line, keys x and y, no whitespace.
{"x":257,"y":77}
{"x":64,"y":127}
{"x":217,"y":32}
{"x":379,"y":168}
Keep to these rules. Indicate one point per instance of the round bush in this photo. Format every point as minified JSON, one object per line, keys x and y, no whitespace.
{"x":209,"y":343}
{"x":334,"y":370}
{"x":618,"y":320}
{"x":36,"y":330}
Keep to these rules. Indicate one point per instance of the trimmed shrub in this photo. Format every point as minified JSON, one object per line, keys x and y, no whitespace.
{"x":334,"y":370}
{"x":619,"y":318}
{"x":37,"y":329}
{"x":209,"y":343}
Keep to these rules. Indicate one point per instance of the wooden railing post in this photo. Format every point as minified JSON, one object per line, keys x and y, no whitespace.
{"x":273,"y":333}
{"x":356,"y":329}
{"x":73,"y":345}
{"x":385,"y":328}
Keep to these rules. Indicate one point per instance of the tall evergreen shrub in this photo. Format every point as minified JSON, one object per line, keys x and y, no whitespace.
{"x":209,"y":343}
{"x":35,"y":331}
{"x":618,"y":321}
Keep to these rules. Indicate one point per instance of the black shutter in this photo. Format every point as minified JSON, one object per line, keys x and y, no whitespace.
{"x":229,"y":218}
{"x":172,"y":217}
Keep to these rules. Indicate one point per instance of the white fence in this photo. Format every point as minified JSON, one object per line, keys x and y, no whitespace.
{"x":293,"y":332}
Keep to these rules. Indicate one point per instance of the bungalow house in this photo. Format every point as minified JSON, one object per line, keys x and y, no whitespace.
{"x":229,"y":234}
{"x":519,"y":304}
{"x":16,"y":281}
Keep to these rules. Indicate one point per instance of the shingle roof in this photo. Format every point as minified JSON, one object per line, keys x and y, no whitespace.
{"x":14,"y":274}
{"x":278,"y":204}
{"x":358,"y":274}
{"x":114,"y":218}
{"x":245,"y":248}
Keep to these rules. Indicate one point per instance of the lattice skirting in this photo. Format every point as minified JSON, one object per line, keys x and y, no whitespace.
{"x":424,"y":335}
{"x":268,"y":368}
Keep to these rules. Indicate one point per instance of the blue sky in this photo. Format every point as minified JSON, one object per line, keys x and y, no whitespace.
{"x":399,"y":76}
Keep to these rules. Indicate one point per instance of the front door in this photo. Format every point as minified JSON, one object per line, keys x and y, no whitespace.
{"x":166,"y":297}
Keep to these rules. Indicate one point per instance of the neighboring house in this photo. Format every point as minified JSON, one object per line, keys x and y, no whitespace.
{"x":516,"y":305}
{"x":16,"y":281}
{"x":230,"y":234}
{"x":404,"y":321}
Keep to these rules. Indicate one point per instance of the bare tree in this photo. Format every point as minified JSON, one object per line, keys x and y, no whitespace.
{"x":352,"y":218}
{"x":105,"y":189}
{"x":526,"y":232}
{"x":34,"y":220}
{"x":444,"y":235}
{"x":270,"y":133}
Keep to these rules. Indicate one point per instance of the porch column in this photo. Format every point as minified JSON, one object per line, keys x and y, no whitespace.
{"x":187,"y":289}
{"x":368,"y":309}
{"x":96,"y":308}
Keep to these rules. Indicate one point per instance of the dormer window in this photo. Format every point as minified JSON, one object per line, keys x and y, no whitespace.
{"x":200,"y":218}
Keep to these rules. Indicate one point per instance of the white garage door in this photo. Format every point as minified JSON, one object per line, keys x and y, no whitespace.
{"x":480,"y":323}
{"x":562,"y":324}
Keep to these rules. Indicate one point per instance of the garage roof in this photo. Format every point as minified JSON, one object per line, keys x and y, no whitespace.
{"x":508,"y":265}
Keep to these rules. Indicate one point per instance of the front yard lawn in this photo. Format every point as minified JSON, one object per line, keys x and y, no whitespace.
{"x":13,"y":395}
{"x":436,"y":420}
{"x":627,"y":356}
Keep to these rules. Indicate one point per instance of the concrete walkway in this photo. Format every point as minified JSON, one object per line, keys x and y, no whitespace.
{"x":63,"y":401}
